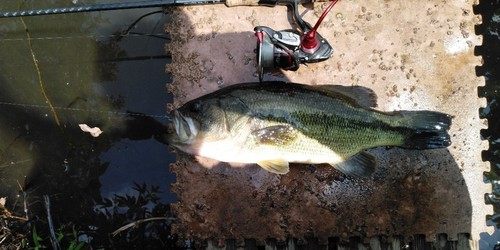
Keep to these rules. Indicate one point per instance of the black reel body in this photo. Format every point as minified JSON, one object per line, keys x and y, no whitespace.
{"x":282,"y":49}
{"x":287,"y":49}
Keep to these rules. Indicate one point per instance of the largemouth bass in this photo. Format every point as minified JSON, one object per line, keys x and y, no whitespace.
{"x":275,"y":123}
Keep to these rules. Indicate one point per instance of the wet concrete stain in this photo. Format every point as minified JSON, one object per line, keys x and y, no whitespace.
{"x":241,"y":203}
{"x":410,"y":63}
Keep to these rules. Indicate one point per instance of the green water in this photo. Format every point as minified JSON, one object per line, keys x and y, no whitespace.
{"x":59,"y":71}
{"x":88,"y":72}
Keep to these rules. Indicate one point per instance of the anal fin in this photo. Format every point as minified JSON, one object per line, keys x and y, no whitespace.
{"x":276,"y":166}
{"x":360,"y":165}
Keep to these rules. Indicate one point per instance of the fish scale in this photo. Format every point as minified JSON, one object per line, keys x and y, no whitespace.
{"x":400,"y":50}
{"x":275,"y":123}
{"x":339,"y":133}
{"x":309,"y":113}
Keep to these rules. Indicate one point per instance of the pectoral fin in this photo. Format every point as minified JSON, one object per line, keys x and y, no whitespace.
{"x":275,"y":135}
{"x":275,"y":166}
{"x":360,"y":165}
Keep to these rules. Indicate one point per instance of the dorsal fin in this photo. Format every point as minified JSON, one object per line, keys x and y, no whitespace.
{"x":361,"y":95}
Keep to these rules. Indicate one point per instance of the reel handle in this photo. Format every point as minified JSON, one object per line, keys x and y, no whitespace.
{"x":232,"y":3}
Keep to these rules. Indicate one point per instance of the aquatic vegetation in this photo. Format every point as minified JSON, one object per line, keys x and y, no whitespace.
{"x":139,"y":220}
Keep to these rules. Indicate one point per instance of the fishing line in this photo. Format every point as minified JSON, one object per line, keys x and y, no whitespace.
{"x":12,"y":163}
{"x":126,"y":33}
{"x":131,"y":26}
{"x":154,"y":28}
{"x":39,"y":106}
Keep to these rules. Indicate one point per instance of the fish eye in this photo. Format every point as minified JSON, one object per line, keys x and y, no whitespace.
{"x":195,"y":107}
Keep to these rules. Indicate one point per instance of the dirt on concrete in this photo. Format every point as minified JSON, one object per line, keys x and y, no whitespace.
{"x":413,"y":195}
{"x":415,"y":55}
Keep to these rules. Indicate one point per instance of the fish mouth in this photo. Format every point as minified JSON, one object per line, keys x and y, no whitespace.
{"x":186,"y":127}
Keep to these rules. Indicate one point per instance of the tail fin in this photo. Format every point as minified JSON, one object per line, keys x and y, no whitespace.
{"x":428,"y":129}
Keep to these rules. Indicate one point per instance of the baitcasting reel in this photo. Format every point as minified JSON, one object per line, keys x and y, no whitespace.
{"x":287,"y":49}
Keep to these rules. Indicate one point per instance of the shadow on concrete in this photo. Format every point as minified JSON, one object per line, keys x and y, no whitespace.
{"x":413,"y":194}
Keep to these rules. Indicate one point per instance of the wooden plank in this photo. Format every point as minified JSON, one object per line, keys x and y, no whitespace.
{"x":355,"y":243}
{"x":292,"y":245}
{"x":250,"y":244}
{"x":333,"y":243}
{"x":230,"y":245}
{"x":419,"y":243}
{"x":270,"y":244}
{"x":441,"y":242}
{"x":397,"y":242}
{"x":375,"y":243}
{"x":464,"y":242}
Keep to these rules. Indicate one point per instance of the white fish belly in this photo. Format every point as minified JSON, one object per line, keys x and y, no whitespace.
{"x":303,"y":150}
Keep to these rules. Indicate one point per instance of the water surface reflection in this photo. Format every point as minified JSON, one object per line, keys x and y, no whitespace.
{"x":75,"y":69}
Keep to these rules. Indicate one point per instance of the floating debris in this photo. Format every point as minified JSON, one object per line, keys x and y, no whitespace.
{"x":95,"y":131}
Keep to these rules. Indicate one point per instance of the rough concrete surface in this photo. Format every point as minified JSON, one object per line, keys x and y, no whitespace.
{"x":414,"y":54}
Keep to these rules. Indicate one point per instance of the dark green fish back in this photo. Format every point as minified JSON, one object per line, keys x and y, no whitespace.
{"x":339,"y":121}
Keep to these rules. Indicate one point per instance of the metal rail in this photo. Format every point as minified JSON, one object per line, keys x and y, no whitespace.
{"x":104,"y":7}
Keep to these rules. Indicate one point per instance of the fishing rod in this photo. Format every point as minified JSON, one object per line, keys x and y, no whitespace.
{"x":140,"y":4}
{"x":285,"y":49}
{"x":97,"y":7}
